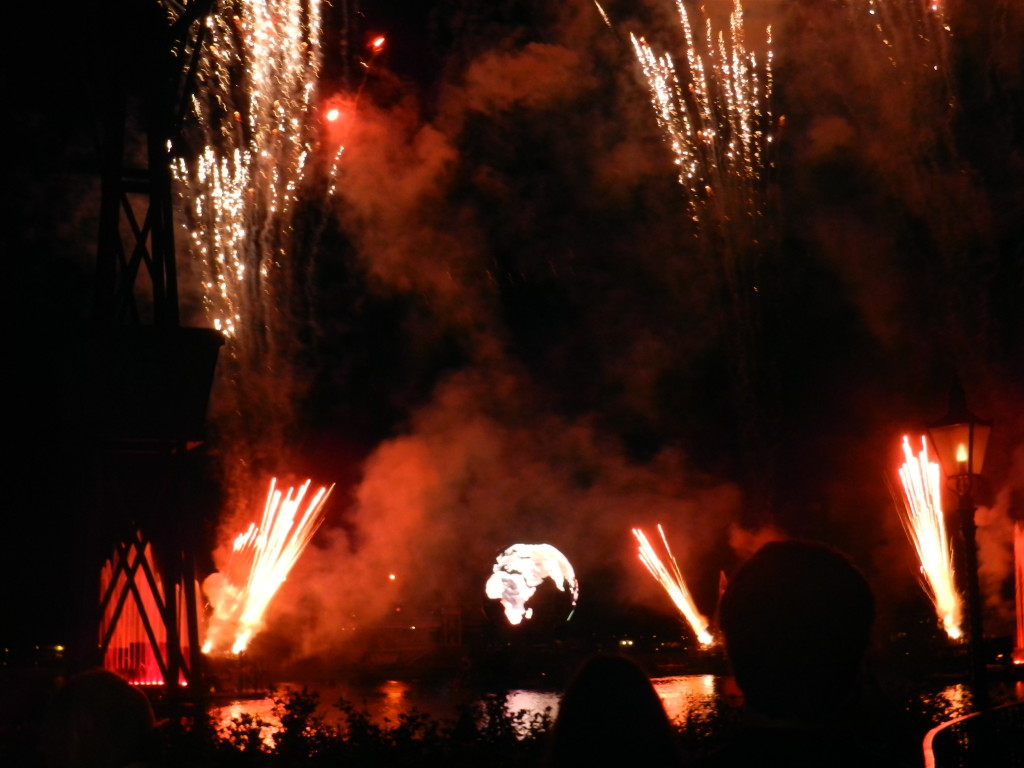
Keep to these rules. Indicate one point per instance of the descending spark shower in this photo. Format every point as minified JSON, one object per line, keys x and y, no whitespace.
{"x":672,"y":581}
{"x":925,"y":525}
{"x":255,"y":109}
{"x":717,"y":129}
{"x":260,"y":561}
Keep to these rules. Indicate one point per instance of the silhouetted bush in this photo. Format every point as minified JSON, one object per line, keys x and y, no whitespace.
{"x":482,"y":735}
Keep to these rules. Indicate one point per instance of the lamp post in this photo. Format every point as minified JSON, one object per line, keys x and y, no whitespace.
{"x":960,"y":439}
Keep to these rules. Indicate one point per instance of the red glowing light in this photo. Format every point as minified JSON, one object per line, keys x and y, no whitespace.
{"x":332,"y":114}
{"x":377,"y":44}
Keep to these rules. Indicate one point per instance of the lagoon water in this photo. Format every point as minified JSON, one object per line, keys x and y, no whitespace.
{"x":686,"y":698}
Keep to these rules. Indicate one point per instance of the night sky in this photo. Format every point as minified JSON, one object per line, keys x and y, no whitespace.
{"x":508,"y":329}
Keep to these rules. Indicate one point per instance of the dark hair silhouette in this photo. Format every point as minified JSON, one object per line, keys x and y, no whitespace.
{"x":796,"y":619}
{"x":97,"y":720}
{"x":611,"y":715}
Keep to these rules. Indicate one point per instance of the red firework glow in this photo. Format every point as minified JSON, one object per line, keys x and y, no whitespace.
{"x":260,"y":561}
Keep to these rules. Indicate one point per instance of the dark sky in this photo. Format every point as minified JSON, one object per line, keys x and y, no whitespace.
{"x":508,"y":329}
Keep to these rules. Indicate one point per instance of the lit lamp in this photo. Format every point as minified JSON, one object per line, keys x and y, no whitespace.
{"x":960,"y":439}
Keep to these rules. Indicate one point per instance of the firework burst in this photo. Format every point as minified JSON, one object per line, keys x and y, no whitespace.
{"x":671,"y":580}
{"x":261,"y":558}
{"x":925,"y":524}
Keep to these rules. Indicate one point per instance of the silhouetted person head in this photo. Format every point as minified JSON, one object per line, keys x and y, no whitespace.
{"x":611,"y":715}
{"x":97,"y":720}
{"x":796,"y":619}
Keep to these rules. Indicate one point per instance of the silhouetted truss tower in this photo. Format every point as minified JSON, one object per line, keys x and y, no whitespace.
{"x":143,"y":379}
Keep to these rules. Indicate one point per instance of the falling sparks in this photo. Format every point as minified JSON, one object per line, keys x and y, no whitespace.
{"x":261,"y":558}
{"x":716,"y":125}
{"x":671,"y":579}
{"x":254,"y":109}
{"x":925,"y":525}
{"x":912,"y":32}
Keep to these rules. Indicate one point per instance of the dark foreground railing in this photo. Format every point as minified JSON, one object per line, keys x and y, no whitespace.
{"x":990,"y":739}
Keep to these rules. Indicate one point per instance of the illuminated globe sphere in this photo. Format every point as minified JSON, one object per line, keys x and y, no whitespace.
{"x":533,"y":584}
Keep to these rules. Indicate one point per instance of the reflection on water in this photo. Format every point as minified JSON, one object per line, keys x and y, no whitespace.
{"x":687,"y":698}
{"x":950,"y":702}
{"x":261,"y":711}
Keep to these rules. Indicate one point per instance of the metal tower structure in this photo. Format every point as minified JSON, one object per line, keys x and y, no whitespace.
{"x":143,"y":380}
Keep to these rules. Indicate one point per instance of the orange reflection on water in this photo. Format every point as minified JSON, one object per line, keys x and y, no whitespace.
{"x":394,"y":701}
{"x":951,"y":702}
{"x":686,"y":697}
{"x":261,"y":711}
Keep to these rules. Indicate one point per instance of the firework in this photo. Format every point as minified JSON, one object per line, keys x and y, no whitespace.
{"x":716,"y":126}
{"x":255,"y":111}
{"x":261,"y":558}
{"x":671,"y":579}
{"x":925,"y":524}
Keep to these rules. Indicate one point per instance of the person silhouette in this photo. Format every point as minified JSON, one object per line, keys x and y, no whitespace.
{"x":611,"y":714}
{"x":796,"y":621}
{"x":98,"y":720}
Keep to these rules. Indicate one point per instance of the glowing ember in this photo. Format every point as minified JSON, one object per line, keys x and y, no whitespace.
{"x":521,"y":570}
{"x":925,"y":524}
{"x":672,"y":582}
{"x":261,"y":559}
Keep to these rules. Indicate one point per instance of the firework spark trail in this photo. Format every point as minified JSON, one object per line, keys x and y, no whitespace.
{"x":261,"y":560}
{"x":916,"y":34}
{"x":255,"y":109}
{"x":925,"y":524}
{"x":717,"y":127}
{"x":673,"y":584}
